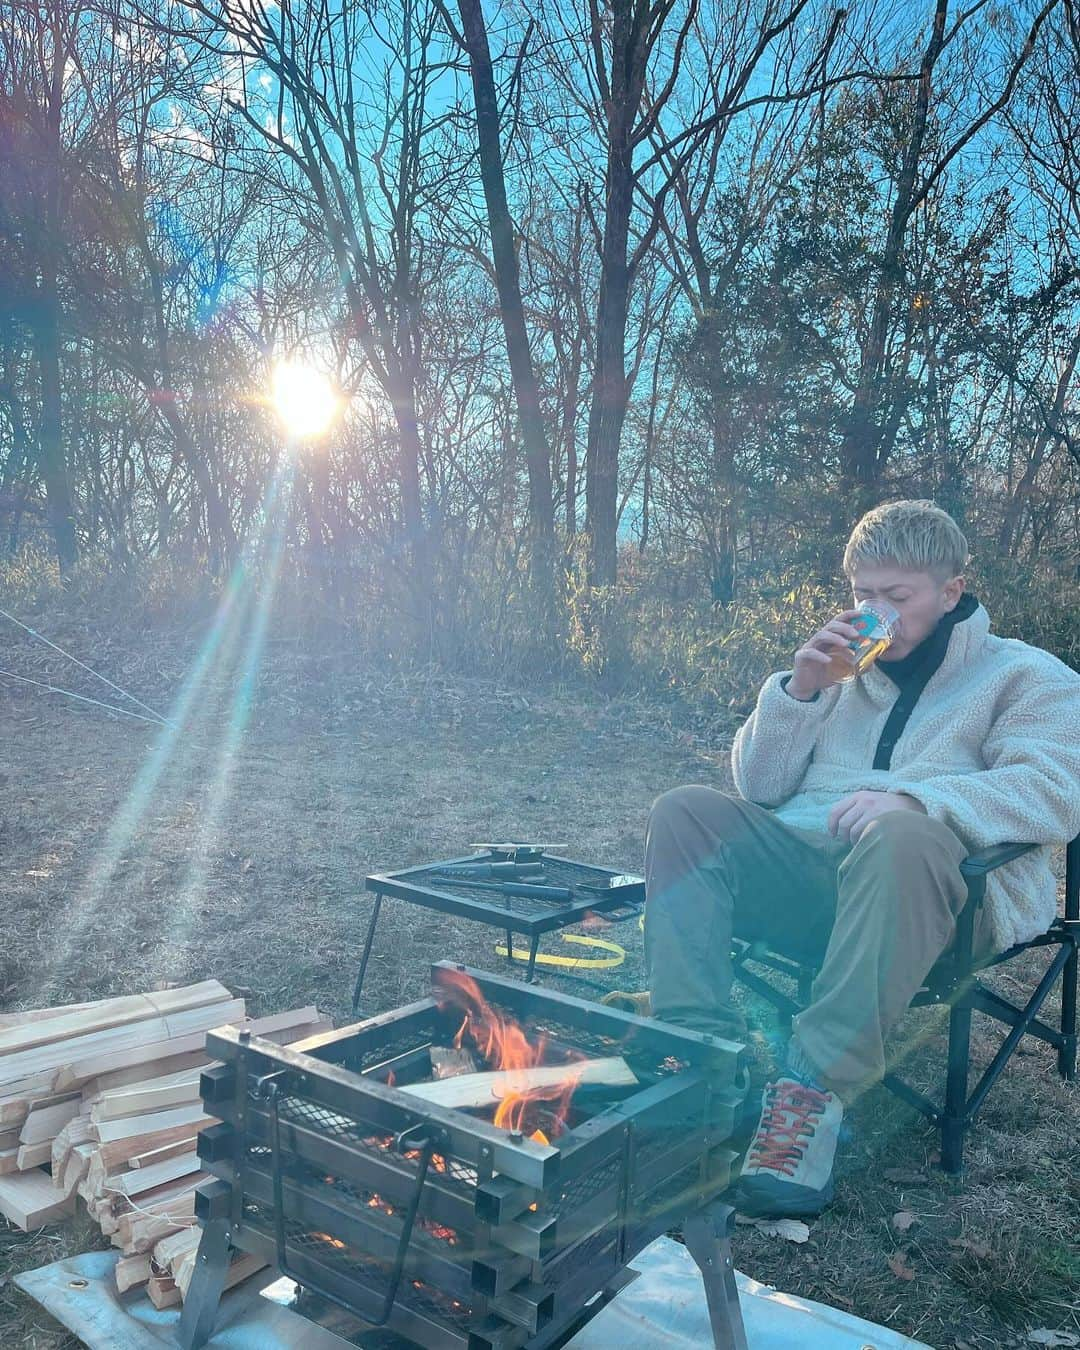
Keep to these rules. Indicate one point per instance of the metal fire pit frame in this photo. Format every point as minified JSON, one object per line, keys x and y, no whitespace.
{"x":541,"y":1233}
{"x":518,"y":914}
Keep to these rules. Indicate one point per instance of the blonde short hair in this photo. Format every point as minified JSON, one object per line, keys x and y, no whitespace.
{"x":915,"y":535}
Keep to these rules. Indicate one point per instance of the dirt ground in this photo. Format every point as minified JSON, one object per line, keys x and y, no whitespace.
{"x":238,"y":848}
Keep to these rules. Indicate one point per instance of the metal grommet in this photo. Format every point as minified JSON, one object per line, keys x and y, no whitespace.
{"x":79,"y":1283}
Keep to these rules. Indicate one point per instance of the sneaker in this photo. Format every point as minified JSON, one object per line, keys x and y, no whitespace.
{"x":788,"y":1168}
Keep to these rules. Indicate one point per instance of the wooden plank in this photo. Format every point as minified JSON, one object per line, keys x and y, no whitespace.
{"x":33,"y":1155}
{"x":46,"y":1122}
{"x":176,"y":1246}
{"x":18,"y":1019}
{"x":126,"y":1103}
{"x":9,"y":1160}
{"x":163,"y":1291}
{"x":76,"y":1131}
{"x":241,"y":1269}
{"x":29,"y":1199}
{"x":481,"y":1089}
{"x":76,"y":1167}
{"x":140,"y":1232}
{"x":145,"y":1178}
{"x":130,"y":1271}
{"x":116,"y":1154}
{"x":29,"y":1085}
{"x":138,"y":1073}
{"x":109,"y":1131}
{"x":156,"y":1155}
{"x":284,"y":1021}
{"x":185,"y":1032}
{"x":109,"y":1015}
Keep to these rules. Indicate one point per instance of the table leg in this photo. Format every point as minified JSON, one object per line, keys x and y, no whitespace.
{"x":367,"y":951}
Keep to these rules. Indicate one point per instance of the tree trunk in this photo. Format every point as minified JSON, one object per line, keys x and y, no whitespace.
{"x":609,"y":383}
{"x":864,"y":450}
{"x":52,"y":461}
{"x":1048,"y":434}
{"x":508,"y":285}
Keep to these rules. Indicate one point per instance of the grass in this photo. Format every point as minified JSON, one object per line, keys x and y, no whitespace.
{"x":251,"y":871}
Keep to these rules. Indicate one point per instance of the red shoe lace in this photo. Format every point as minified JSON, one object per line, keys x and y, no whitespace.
{"x":791,"y":1112}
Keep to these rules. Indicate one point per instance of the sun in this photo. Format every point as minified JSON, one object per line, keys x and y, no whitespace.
{"x":306,"y":402}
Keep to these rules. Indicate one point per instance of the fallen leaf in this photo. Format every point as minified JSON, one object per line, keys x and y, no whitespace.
{"x":906,"y":1177}
{"x":898,"y":1264}
{"x":791,"y":1230}
{"x":903,"y":1219}
{"x":1045,"y":1337}
{"x":980,"y":1250}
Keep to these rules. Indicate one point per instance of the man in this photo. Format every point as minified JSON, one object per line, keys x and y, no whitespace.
{"x":857,"y":802}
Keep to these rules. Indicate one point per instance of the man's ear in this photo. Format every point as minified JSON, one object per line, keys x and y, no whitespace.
{"x":954,"y":589}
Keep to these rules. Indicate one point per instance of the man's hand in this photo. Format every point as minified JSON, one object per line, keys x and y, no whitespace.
{"x":850,"y":817}
{"x":811,"y":671}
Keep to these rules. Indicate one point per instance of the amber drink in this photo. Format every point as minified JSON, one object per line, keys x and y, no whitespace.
{"x":877,"y":624}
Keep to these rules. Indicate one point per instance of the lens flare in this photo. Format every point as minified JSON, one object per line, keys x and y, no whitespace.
{"x":304,"y":399}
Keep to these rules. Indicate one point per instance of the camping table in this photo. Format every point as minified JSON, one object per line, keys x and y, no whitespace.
{"x":512,"y":913}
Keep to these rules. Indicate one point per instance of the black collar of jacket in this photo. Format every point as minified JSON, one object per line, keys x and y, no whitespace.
{"x":913,"y":672}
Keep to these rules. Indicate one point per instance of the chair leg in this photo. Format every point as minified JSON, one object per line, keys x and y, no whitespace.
{"x":953,"y":1117}
{"x":1067,"y":1052}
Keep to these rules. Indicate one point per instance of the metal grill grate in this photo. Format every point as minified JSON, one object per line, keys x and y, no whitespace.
{"x":348,"y":1262}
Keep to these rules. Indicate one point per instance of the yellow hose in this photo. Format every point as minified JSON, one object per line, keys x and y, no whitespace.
{"x":576,"y":962}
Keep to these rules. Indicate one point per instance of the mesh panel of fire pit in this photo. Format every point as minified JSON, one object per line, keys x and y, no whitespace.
{"x":452,"y":1231}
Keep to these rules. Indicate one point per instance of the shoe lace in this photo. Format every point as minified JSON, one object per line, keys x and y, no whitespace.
{"x":791,"y":1113}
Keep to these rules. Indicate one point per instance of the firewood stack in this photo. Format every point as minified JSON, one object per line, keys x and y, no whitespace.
{"x":101,"y":1100}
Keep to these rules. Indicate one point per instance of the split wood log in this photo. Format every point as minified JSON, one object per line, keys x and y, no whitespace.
{"x":130,"y":1271}
{"x":484,"y":1089}
{"x":29,"y":1199}
{"x":108,"y":1015}
{"x":146,"y":1178}
{"x":118,"y":1154}
{"x":136,"y":1074}
{"x":163,"y":1291}
{"x":111,"y":1131}
{"x":242,"y":1268}
{"x":75,"y":1168}
{"x":84,"y":1056}
{"x":9,"y":1160}
{"x":76,"y":1131}
{"x":156,"y":1155}
{"x":46,"y":1122}
{"x":142,"y":1098}
{"x":18,"y":1019}
{"x":33,"y":1155}
{"x":172,"y":1249}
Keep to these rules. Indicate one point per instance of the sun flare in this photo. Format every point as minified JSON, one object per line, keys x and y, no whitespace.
{"x":306,"y":402}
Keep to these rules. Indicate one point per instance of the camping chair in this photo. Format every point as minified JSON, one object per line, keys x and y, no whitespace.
{"x":955,"y":982}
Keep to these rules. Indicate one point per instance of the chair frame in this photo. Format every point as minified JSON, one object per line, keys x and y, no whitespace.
{"x":954,"y":982}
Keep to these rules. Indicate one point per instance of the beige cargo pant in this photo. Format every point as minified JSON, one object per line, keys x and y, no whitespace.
{"x":873,"y":918}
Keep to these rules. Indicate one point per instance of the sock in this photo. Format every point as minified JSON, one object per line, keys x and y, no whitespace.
{"x":800,"y":1067}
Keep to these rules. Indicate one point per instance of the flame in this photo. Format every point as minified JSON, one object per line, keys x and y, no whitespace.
{"x":330,"y":1241}
{"x":391,"y":1079}
{"x":503,"y":1044}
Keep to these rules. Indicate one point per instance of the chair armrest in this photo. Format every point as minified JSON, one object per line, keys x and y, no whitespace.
{"x":986,"y":859}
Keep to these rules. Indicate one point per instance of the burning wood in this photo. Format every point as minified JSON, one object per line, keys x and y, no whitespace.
{"x":521,"y":1075}
{"x":541,"y":1082}
{"x":448,"y":1062}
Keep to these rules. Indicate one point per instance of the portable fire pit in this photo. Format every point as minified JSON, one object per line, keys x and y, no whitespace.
{"x":473,"y":1171}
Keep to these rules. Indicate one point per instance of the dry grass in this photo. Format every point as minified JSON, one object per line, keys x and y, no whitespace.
{"x":256,"y":877}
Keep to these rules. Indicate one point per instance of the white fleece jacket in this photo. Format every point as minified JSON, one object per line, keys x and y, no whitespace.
{"x":992,"y":749}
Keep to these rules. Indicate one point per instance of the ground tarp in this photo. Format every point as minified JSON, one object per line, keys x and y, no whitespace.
{"x":663,"y":1310}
